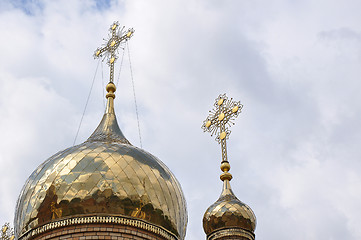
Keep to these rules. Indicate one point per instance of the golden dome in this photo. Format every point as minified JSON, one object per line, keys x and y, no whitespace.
{"x":228,"y":212}
{"x":228,"y":217}
{"x":104,"y":176}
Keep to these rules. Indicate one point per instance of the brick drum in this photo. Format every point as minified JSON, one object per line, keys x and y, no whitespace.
{"x":232,"y":238}
{"x":98,"y":231}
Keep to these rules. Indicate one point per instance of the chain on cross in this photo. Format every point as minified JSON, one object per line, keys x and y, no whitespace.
{"x":110,"y":48}
{"x":220,"y":118}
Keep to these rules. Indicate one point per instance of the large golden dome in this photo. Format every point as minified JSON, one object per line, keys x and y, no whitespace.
{"x":104,"y":176}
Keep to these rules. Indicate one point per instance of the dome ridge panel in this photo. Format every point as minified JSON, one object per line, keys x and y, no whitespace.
{"x":149,"y":190}
{"x":109,"y":161}
{"x":131,"y":175}
{"x":41,"y":170}
{"x":166,"y":203}
{"x":156,"y":186}
{"x":172,"y":198}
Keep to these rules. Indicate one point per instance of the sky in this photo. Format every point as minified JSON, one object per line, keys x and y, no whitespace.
{"x":295,"y":66}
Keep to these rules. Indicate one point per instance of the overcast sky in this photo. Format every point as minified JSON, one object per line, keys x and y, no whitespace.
{"x":295,"y":65}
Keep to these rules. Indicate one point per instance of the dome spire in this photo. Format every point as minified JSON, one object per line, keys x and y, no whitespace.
{"x":108,"y":129}
{"x":228,"y":217}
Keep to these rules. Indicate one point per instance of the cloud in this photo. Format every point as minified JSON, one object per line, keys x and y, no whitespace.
{"x":294,"y":150}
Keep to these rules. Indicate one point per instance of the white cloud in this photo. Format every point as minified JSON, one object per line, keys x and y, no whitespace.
{"x":294,"y":150}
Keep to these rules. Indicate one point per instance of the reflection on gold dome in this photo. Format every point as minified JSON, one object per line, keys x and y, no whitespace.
{"x":106,"y":178}
{"x":228,"y":212}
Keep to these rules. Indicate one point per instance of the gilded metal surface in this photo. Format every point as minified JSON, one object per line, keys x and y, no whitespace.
{"x":228,"y":212}
{"x":106,"y":178}
{"x":127,"y":221}
{"x":108,"y":129}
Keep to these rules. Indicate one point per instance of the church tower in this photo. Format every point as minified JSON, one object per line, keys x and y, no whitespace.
{"x":228,"y":218}
{"x":104,"y":188}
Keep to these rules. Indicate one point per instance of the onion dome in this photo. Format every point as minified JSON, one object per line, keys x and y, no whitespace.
{"x":103,"y":179}
{"x":228,"y":212}
{"x":228,"y":216}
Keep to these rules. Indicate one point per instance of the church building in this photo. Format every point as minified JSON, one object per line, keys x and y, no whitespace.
{"x":107,"y":188}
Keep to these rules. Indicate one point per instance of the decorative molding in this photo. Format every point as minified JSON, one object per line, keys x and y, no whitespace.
{"x":231,"y":232}
{"x":121,"y":220}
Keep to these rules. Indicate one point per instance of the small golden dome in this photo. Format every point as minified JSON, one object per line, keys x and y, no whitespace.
{"x":228,"y":212}
{"x":104,"y":176}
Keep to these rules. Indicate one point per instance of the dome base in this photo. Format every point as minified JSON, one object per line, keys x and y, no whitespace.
{"x":88,"y":227}
{"x":231,"y":233}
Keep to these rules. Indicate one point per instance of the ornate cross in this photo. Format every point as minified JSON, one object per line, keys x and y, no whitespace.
{"x":222,"y":115}
{"x":7,"y":233}
{"x":110,"y":48}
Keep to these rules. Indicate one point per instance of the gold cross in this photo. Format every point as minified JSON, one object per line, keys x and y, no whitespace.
{"x":109,"y":50}
{"x":222,"y":115}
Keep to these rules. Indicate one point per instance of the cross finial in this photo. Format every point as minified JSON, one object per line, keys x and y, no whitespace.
{"x":220,"y":118}
{"x":110,"y":48}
